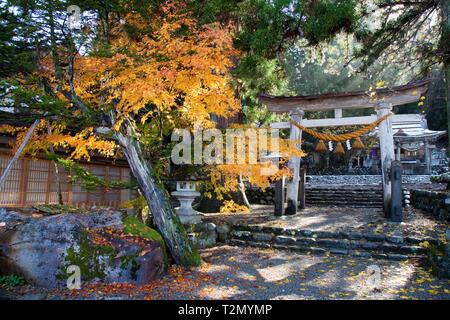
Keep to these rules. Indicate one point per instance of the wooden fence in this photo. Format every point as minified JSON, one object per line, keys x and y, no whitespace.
{"x":32,"y":182}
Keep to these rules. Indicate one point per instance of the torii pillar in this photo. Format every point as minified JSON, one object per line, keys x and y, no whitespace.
{"x":294,"y":164}
{"x":387,"y":154}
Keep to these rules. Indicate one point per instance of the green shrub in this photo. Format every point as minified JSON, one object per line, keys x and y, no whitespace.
{"x":12,"y":280}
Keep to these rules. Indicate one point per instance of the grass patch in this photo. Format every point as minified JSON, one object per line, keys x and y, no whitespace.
{"x":58,"y":209}
{"x":12,"y":280}
{"x":134,"y":226}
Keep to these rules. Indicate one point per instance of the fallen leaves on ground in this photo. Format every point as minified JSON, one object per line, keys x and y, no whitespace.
{"x":269,"y":274}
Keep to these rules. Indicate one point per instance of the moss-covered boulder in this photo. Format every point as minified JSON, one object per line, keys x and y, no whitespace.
{"x":439,"y":259}
{"x":202,"y":235}
{"x":134,"y":226}
{"x":100,"y":243}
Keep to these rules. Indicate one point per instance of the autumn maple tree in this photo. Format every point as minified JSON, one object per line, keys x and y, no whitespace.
{"x":120,"y":87}
{"x":154,"y":75}
{"x":251,"y":165}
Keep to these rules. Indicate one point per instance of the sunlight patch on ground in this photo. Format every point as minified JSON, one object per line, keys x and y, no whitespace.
{"x":291,"y":297}
{"x":275,"y":273}
{"x":281,"y":272}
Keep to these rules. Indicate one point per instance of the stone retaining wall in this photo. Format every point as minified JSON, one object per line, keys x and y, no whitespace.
{"x":362,"y":179}
{"x":258,"y":196}
{"x":373,"y":245}
{"x":432,"y":202}
{"x":439,"y":259}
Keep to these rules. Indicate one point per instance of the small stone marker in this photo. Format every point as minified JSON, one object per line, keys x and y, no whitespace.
{"x":279,"y":197}
{"x":396,"y":191}
{"x":301,"y":189}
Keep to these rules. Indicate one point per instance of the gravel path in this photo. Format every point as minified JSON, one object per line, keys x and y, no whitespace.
{"x":247,"y":273}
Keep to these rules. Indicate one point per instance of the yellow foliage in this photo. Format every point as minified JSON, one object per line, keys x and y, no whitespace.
{"x":224,"y":178}
{"x":179,"y":80}
{"x":230,"y":206}
{"x":161,"y":69}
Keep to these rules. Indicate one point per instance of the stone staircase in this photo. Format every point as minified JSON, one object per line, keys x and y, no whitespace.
{"x":344,"y":195}
{"x":375,"y":245}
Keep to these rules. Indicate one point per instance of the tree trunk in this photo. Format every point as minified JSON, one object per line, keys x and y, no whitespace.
{"x":19,"y":151}
{"x":164,"y":216}
{"x":447,"y":80}
{"x":242,"y":191}
{"x":447,"y":100}
{"x":57,"y":180}
{"x":445,"y":39}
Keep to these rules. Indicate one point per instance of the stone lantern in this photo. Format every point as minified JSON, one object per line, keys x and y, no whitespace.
{"x":186,"y":194}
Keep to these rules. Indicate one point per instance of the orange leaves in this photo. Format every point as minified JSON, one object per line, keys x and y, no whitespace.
{"x":36,"y":141}
{"x":83,"y":144}
{"x":176,"y":271}
{"x":231,"y":207}
{"x":162,"y":68}
{"x":6,"y":128}
{"x":105,"y":237}
{"x":170,"y":78}
{"x":249,"y":164}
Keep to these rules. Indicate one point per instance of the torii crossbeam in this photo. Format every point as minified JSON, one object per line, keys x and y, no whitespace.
{"x":382,"y":100}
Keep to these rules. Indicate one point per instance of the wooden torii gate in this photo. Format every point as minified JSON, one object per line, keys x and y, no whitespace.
{"x":382,"y":101}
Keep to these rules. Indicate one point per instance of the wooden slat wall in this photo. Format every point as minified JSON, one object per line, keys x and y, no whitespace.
{"x":32,"y":182}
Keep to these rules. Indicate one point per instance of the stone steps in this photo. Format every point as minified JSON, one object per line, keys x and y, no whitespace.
{"x":340,"y":202}
{"x":374,"y":245}
{"x":345,"y":195}
{"x":375,"y":187}
{"x":351,"y":204}
{"x":342,"y":197}
{"x":364,"y":196}
{"x":347,"y":191}
{"x":345,"y":188}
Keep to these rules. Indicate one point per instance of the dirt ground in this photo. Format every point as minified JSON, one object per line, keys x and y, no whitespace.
{"x":245,"y":273}
{"x":365,"y":220}
{"x":238,"y":273}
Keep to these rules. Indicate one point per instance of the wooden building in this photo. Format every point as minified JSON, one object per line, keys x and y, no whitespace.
{"x":33,"y":181}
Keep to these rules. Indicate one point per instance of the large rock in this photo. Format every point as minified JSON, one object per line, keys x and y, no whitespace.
{"x":202,"y":235}
{"x":42,"y":248}
{"x":222,"y":232}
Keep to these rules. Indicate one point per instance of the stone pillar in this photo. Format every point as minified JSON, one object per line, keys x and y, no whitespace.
{"x":387,"y":153}
{"x":294,"y":165}
{"x":427,"y":158}
{"x":398,"y":155}
{"x":338,"y":113}
{"x":396,"y":180}
{"x":279,"y":197}
{"x":302,"y":189}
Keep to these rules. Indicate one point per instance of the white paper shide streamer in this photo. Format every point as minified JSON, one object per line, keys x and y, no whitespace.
{"x":347,"y":143}
{"x":330,"y":146}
